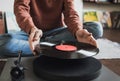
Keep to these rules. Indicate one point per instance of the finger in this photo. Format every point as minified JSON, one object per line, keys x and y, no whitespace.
{"x":30,"y":44}
{"x":92,"y":41}
{"x":87,"y":35}
{"x":34,"y":46}
{"x":31,"y":41}
{"x":37,"y":35}
{"x":32,"y":35}
{"x":86,"y":32}
{"x":90,"y":34}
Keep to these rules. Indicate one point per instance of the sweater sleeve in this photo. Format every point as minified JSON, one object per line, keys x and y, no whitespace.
{"x":71,"y":17}
{"x":21,"y":11}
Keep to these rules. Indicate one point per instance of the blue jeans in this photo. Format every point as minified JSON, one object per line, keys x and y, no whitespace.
{"x":11,"y":43}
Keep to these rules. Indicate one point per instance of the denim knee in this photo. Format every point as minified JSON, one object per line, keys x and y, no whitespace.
{"x":95,"y":28}
{"x":10,"y":44}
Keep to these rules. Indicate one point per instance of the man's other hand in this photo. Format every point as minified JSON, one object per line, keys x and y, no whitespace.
{"x":84,"y":36}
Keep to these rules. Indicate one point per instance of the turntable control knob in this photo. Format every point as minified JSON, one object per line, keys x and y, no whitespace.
{"x":17,"y":72}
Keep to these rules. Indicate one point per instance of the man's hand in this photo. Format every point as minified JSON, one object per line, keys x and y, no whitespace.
{"x":34,"y":39}
{"x":84,"y":36}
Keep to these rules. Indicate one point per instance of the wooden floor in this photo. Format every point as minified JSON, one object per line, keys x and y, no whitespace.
{"x":113,"y":64}
{"x":112,"y":34}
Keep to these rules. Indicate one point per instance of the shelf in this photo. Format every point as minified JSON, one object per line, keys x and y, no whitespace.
{"x":104,"y":3}
{"x":93,"y":2}
{"x":101,"y":6}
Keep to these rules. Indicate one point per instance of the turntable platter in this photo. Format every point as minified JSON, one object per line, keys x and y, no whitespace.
{"x":54,"y":69}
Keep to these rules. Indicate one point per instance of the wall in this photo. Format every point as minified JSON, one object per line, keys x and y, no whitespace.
{"x":6,"y":5}
{"x":79,"y":8}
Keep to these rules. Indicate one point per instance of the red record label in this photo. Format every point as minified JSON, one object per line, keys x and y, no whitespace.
{"x":66,"y":47}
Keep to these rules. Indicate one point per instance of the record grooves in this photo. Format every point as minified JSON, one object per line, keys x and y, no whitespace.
{"x":68,"y":50}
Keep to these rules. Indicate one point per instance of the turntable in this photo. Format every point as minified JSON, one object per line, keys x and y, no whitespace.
{"x":67,"y":61}
{"x":56,"y":64}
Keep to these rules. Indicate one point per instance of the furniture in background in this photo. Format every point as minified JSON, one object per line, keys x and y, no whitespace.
{"x":2,"y":23}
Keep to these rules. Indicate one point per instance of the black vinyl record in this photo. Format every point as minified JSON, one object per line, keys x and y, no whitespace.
{"x":82,"y":50}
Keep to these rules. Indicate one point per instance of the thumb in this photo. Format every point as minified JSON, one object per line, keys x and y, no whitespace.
{"x":34,"y":46}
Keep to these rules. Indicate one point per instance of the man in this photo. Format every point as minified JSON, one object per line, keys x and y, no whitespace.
{"x":45,"y":20}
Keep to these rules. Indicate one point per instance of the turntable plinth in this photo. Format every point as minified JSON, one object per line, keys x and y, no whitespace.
{"x":105,"y":75}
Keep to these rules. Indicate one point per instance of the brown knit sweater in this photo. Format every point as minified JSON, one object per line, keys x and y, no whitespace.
{"x":46,"y":14}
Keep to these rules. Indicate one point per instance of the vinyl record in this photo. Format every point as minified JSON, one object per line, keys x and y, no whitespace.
{"x":68,"y":49}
